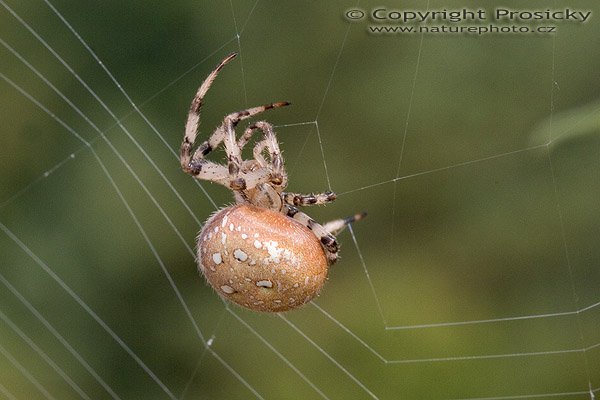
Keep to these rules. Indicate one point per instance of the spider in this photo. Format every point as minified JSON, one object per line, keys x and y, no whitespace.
{"x":262,"y":253}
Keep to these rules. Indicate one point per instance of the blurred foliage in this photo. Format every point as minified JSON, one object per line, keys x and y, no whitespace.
{"x":477,"y":158}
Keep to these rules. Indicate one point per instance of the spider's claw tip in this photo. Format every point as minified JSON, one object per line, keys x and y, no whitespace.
{"x":354,"y":218}
{"x":230,"y":57}
{"x":281,"y":104}
{"x":359,"y":216}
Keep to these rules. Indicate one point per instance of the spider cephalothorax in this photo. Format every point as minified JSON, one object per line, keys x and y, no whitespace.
{"x":262,"y":253}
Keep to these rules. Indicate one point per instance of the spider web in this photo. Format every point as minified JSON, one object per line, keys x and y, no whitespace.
{"x":475,"y":275}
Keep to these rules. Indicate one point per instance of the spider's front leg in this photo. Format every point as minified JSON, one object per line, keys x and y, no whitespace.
{"x":193,"y":120}
{"x":193,"y":163}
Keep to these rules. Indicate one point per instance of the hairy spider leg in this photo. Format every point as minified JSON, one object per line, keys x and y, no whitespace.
{"x":299,"y":199}
{"x":192,"y":164}
{"x":279,"y":176}
{"x":193,"y":120}
{"x":221,"y":133}
{"x":234,"y":118}
{"x":338,"y":225}
{"x":228,"y":127}
{"x":328,"y":241}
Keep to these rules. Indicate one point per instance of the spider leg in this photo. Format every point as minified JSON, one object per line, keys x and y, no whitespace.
{"x":230,"y":176}
{"x":299,"y":199}
{"x":245,"y":138}
{"x":208,"y":170}
{"x":193,"y":120}
{"x":248,"y":180}
{"x":220,"y":133}
{"x":338,"y":225}
{"x":234,"y":153}
{"x":258,"y":148}
{"x":279,"y":176}
{"x":235,"y":118}
{"x":328,"y":241}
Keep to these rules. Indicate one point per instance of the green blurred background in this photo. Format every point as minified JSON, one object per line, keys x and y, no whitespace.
{"x":477,"y":158}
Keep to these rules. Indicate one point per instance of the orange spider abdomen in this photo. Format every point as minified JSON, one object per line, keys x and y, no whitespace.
{"x":261,"y":259}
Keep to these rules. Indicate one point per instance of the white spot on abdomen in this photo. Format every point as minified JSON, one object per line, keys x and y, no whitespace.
{"x":217,"y":258}
{"x":266,"y":283}
{"x":275,"y":252}
{"x":240,"y":255}
{"x":227,"y":289}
